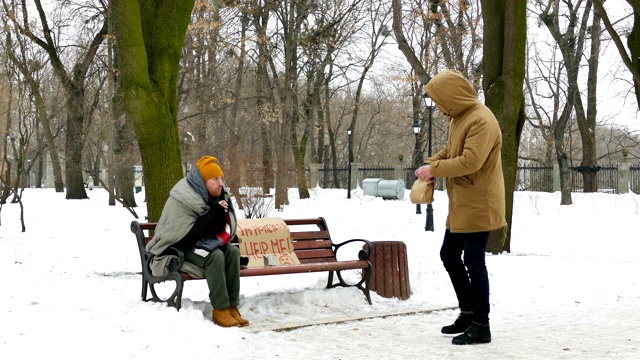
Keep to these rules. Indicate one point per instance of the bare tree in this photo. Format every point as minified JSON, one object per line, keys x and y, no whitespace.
{"x":73,"y":80}
{"x":29,"y":65}
{"x":571,"y":43}
{"x":632,"y":59}
{"x":553,"y":130}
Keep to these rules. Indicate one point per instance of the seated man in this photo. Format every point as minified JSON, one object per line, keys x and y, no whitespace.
{"x":199,"y":219}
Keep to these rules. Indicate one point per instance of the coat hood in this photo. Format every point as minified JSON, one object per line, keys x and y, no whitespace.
{"x":197,"y":183}
{"x":453,"y":92}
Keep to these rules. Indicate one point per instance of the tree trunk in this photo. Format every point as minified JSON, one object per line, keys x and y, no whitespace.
{"x":121,"y":181}
{"x":123,"y":154}
{"x":299,"y":149}
{"x":149,"y":38}
{"x":504,"y":39}
{"x":50,"y":139}
{"x":587,"y":122}
{"x":74,"y":140}
{"x":283,"y":139}
{"x":234,"y":153}
{"x":264,"y":96}
{"x":565,"y":179}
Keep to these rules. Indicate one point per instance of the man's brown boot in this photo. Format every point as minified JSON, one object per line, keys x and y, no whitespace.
{"x":233,"y":310}
{"x":222,"y":317}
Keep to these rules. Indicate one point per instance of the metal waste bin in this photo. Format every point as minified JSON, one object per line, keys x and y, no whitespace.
{"x":370,"y":187}
{"x":386,"y":189}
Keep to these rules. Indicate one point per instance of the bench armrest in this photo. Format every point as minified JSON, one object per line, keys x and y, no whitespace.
{"x":175,"y":266}
{"x":363,"y":254}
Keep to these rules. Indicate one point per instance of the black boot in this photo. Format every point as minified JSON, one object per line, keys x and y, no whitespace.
{"x":459,"y":326}
{"x":475,"y":334}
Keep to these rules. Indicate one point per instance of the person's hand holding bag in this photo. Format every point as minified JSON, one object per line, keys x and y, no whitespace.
{"x":424,"y":173}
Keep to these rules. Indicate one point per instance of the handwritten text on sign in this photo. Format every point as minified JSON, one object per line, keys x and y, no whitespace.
{"x":260,"y":237}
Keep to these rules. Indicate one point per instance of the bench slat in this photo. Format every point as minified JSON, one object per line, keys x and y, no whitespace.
{"x":309,"y":235}
{"x":304,"y":268}
{"x":317,"y":260}
{"x":304,"y":245}
{"x":314,"y":221}
{"x":315,"y":254}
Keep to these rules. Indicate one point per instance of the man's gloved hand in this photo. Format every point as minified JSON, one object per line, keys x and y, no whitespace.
{"x":173,"y":264}
{"x":209,"y":243}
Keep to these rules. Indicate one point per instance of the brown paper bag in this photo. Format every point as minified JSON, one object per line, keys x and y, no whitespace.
{"x":422,"y":192}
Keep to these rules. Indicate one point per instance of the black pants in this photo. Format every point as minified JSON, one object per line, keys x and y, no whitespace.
{"x":469,"y":278}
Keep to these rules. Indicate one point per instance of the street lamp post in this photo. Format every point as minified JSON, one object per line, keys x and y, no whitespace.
{"x":349,"y":132}
{"x":428,"y":102}
{"x":416,"y":153}
{"x":29,"y":173}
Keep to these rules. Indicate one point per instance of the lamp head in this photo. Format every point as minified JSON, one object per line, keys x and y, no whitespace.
{"x":349,"y":130}
{"x":416,"y":127}
{"x":428,"y":102}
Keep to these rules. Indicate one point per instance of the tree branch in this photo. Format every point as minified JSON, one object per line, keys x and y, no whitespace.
{"x":404,"y":46}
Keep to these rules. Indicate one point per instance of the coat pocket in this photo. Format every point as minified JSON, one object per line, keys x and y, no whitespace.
{"x":466,"y":180}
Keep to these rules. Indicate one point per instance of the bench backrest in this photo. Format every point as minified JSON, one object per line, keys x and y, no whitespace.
{"x":311,"y":239}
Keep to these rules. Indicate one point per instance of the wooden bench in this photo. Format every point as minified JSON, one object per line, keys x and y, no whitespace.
{"x":314,"y":248}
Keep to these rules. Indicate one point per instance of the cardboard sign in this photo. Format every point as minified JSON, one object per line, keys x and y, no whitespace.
{"x":268,"y":236}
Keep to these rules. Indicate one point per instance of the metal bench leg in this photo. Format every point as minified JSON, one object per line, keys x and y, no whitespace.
{"x":365,"y":280}
{"x":330,"y":280}
{"x":175,"y":299}
{"x":366,"y":290}
{"x":145,"y":284}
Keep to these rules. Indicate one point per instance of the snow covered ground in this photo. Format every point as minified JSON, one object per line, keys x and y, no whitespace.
{"x":570,"y":288}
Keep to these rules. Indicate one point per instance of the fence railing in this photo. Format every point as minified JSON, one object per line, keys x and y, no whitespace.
{"x":541,"y":178}
{"x":528,"y":178}
{"x":328,"y":180}
{"x":534,"y":178}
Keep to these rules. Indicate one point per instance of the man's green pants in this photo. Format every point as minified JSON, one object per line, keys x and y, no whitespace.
{"x":222,"y":272}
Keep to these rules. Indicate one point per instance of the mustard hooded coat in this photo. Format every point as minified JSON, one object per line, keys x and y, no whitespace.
{"x":471,"y":161}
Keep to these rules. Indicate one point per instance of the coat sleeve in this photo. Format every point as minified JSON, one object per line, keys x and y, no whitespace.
{"x":180,"y":212}
{"x":442,"y":154}
{"x":480,"y":138}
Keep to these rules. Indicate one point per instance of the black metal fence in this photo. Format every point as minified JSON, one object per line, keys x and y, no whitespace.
{"x":540,"y":178}
{"x":534,"y":178}
{"x":330,"y":180}
{"x":528,"y":178}
{"x":385,"y":172}
{"x":607,"y":180}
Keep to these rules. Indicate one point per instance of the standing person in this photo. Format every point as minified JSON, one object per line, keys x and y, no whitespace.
{"x":471,"y":162}
{"x":199,"y":219}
